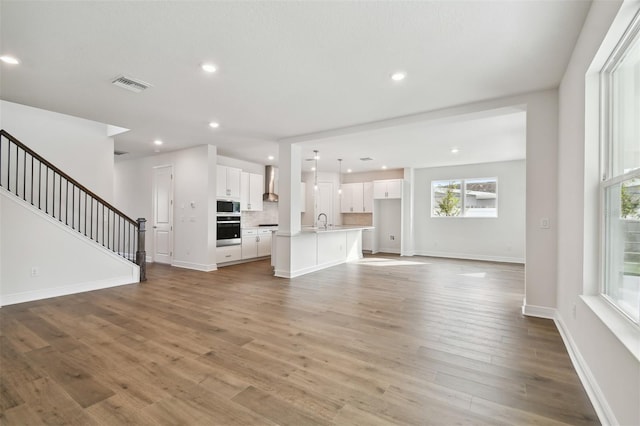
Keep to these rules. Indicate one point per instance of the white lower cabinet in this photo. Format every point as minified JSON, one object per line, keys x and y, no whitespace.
{"x":264,"y":242}
{"x":256,"y":243}
{"x":228,"y":254}
{"x":367,"y":240}
{"x":249,"y":243}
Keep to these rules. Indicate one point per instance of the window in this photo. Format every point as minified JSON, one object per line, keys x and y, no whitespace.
{"x":620,"y":204}
{"x":480,"y":197}
{"x":464,"y":198}
{"x":446,"y":198}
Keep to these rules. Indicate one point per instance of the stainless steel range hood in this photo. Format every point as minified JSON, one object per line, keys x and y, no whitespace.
{"x":270,"y":184}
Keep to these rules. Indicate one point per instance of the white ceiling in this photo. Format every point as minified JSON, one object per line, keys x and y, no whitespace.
{"x":497,"y":135}
{"x":291,"y":68}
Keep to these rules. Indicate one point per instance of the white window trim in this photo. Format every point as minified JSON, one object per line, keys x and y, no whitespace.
{"x":463,"y":190}
{"x":619,"y":325}
{"x":606,"y":154}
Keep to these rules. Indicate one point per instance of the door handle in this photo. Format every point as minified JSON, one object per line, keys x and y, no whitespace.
{"x":154,"y":227}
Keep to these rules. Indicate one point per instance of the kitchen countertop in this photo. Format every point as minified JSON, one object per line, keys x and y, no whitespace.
{"x":333,"y":228}
{"x":270,"y":228}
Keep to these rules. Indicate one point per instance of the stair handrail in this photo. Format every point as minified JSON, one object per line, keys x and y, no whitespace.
{"x":64,"y":175}
{"x":138,"y":225}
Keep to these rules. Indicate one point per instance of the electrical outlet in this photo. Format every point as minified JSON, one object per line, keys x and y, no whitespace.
{"x":35,"y":271}
{"x":544,"y":223}
{"x":392,"y":237}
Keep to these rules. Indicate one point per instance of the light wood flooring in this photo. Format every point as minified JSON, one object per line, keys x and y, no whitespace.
{"x":388,"y":340}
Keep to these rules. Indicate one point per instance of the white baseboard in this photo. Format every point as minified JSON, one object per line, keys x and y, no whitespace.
{"x":538,"y":311}
{"x":598,"y":400}
{"x":392,"y":250}
{"x":29,"y":296}
{"x":299,"y":272}
{"x":195,"y":266}
{"x":470,"y":256}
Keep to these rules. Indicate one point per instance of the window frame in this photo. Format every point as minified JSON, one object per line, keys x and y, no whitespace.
{"x":607,"y":143}
{"x":463,"y":194}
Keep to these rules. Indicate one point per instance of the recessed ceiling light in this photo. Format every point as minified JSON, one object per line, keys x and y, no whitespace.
{"x":214,"y":125}
{"x":271,"y":157}
{"x":157,"y":142}
{"x":313,"y":169}
{"x":398,"y":76}
{"x":454,"y":150}
{"x":209,"y":67}
{"x":9,"y":60}
{"x":384,"y":167}
{"x":349,"y":170}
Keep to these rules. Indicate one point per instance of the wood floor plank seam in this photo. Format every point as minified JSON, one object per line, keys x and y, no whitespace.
{"x":388,"y":340}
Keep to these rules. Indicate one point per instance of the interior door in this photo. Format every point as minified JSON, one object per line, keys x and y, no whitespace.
{"x":325,"y":202}
{"x":163,"y":214}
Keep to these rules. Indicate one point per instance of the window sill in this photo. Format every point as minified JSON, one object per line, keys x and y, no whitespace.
{"x":624,"y":330}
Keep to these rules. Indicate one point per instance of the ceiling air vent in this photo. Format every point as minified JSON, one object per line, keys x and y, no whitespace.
{"x":131,"y":84}
{"x":366,"y":159}
{"x":119,"y":152}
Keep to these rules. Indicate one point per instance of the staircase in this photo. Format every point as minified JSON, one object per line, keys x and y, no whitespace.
{"x":36,"y":181}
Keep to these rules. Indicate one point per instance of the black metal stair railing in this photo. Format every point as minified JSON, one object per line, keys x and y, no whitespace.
{"x":35,"y":180}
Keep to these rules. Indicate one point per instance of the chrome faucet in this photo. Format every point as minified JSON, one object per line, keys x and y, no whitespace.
{"x":325,"y":219}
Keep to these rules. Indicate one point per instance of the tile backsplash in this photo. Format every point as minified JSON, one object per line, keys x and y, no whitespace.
{"x":360,"y":219}
{"x":269,"y":214}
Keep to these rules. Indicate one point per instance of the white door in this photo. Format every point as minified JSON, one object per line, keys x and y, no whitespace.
{"x":163,"y":214}
{"x":325,"y":202}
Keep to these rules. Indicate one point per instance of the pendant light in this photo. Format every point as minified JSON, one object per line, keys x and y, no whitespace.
{"x":340,"y":176}
{"x":315,"y":173}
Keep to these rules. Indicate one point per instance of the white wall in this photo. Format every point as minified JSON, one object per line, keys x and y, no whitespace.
{"x":67,"y":262}
{"x":609,"y":370}
{"x":499,"y":239}
{"x":373,"y":175}
{"x":79,"y":147}
{"x":194,"y":171}
{"x":246,"y":166}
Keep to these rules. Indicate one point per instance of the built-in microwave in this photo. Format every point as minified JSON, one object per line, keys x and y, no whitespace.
{"x":228,"y":207}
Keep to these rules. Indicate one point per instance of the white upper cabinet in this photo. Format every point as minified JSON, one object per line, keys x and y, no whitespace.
{"x":251,"y":187}
{"x":357,"y":198}
{"x":228,"y":185}
{"x":352,"y":200}
{"x":367,"y":195}
{"x":391,"y":188}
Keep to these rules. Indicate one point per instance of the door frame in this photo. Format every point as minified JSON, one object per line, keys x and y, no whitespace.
{"x":171,"y":210}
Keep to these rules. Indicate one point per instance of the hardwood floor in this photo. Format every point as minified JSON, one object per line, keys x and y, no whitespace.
{"x":388,"y":340}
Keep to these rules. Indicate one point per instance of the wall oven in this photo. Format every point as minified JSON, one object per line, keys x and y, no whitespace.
{"x":228,"y":230}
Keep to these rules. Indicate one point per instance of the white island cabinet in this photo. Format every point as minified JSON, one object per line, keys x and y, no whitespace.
{"x":314,"y":249}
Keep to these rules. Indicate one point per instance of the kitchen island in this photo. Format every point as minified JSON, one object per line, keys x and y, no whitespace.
{"x":315,"y":248}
